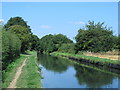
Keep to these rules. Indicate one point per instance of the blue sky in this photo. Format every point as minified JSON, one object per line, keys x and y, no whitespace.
{"x":62,"y":17}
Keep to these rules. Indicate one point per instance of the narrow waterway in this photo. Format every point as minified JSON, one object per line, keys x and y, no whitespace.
{"x":63,"y":73}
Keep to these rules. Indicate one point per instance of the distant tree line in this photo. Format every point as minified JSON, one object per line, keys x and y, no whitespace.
{"x":51,"y":43}
{"x":17,"y":38}
{"x":94,"y":37}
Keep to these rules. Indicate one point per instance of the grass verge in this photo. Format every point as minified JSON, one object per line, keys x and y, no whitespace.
{"x":30,"y":77}
{"x":91,"y":58}
{"x":9,"y":73}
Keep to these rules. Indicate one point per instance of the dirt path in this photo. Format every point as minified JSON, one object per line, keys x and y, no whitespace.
{"x":17,"y":75}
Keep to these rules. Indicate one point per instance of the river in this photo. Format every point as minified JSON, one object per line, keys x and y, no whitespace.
{"x":63,"y":73}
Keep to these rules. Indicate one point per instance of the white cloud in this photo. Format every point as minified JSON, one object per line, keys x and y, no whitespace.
{"x":77,"y":23}
{"x":1,"y":21}
{"x":45,"y":26}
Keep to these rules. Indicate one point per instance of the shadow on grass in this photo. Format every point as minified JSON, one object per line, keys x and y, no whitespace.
{"x":26,"y":53}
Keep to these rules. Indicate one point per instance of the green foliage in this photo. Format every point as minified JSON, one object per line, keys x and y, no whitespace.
{"x":69,"y":48}
{"x":16,"y":21}
{"x":117,"y":43}
{"x":11,"y":45}
{"x":59,"y":39}
{"x":23,"y":34}
{"x":34,"y":42}
{"x":50,"y":43}
{"x":95,"y":38}
{"x":0,"y":41}
{"x":18,"y":26}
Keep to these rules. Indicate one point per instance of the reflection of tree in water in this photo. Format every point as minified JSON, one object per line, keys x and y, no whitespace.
{"x":53,"y":63}
{"x":92,"y":78}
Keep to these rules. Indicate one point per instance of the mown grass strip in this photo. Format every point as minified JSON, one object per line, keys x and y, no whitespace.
{"x":30,"y":78}
{"x":9,"y":73}
{"x":91,"y":58}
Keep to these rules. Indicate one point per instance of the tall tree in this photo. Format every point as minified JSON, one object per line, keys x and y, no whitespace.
{"x":18,"y":26}
{"x":17,"y":21}
{"x":95,"y":38}
{"x":23,"y":34}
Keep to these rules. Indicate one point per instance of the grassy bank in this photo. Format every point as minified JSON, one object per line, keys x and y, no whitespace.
{"x":9,"y":73}
{"x":29,"y":78}
{"x":92,"y":59}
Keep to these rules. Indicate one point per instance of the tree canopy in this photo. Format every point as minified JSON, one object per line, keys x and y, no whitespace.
{"x":18,"y":26}
{"x":23,"y":34}
{"x":50,"y":43}
{"x":11,"y":46}
{"x":94,"y":38}
{"x":16,"y":21}
{"x":34,"y":42}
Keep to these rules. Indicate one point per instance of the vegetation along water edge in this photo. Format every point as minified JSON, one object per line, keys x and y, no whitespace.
{"x":30,"y":76}
{"x":90,"y":59}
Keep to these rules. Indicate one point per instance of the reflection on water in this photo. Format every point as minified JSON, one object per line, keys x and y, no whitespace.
{"x":53,"y":64}
{"x":61,"y":73}
{"x":92,"y":78}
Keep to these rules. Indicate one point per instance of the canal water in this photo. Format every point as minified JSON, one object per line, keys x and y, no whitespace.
{"x":63,"y":73}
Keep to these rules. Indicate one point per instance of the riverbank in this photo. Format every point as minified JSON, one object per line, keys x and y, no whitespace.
{"x":112,"y":55}
{"x":29,"y":78}
{"x":89,"y":59}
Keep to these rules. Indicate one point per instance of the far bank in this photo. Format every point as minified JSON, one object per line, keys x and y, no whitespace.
{"x":89,"y":59}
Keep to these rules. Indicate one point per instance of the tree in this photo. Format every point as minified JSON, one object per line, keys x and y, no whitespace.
{"x":34,"y":42}
{"x":11,"y":45}
{"x":18,"y":26}
{"x":59,"y":39}
{"x":118,"y":42}
{"x":17,"y":21}
{"x":46,"y":44}
{"x":23,"y":34}
{"x":94,"y":38}
{"x":50,"y":43}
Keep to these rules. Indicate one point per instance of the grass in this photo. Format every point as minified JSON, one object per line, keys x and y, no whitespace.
{"x":113,"y":55}
{"x":30,"y":78}
{"x":9,"y":74}
{"x":91,"y":58}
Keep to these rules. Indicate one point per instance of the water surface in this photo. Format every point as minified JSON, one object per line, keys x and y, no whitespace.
{"x":62,"y":73}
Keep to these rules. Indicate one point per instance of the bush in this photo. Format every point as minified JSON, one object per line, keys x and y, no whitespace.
{"x":11,"y":45}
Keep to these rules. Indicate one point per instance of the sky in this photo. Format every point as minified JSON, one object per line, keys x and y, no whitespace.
{"x":62,"y":17}
{"x":59,"y":0}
